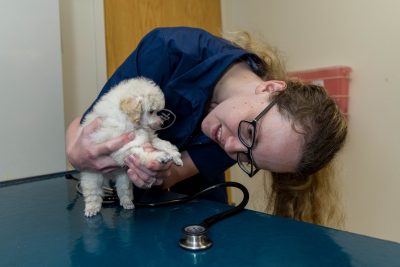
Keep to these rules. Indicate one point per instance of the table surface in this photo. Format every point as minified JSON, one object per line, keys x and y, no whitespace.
{"x":42,"y":224}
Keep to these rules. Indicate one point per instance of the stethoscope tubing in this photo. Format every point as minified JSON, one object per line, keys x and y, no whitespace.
{"x":112,"y":197}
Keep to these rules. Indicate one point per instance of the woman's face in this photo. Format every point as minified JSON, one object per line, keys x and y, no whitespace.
{"x":277,"y":146}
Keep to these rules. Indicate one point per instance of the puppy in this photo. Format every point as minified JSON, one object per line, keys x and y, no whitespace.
{"x":131,"y":106}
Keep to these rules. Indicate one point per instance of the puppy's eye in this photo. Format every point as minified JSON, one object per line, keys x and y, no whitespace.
{"x":152,"y":112}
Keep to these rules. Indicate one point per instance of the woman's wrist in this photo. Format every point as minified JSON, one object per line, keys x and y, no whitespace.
{"x":180,"y":173}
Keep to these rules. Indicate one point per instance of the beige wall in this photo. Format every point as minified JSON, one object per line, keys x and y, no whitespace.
{"x":84,"y":61}
{"x":365,"y":36}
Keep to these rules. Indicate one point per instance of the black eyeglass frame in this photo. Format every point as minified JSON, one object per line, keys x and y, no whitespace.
{"x":249,"y":154}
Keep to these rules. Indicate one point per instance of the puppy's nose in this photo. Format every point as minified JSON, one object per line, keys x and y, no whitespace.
{"x":156,"y":123}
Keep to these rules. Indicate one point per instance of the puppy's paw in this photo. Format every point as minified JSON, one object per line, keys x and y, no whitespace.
{"x":163,"y":157}
{"x":91,"y":209}
{"x":176,"y":157}
{"x":126,"y":203}
{"x":178,"y":161}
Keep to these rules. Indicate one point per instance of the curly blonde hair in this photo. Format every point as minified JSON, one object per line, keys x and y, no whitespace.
{"x":274,"y":67}
{"x":310,"y":194}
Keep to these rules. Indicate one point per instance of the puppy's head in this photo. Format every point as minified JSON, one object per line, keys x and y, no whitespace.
{"x":140,"y":100}
{"x":142,"y":110}
{"x":152,"y":103}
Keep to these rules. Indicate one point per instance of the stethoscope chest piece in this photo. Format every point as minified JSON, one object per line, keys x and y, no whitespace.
{"x":195,"y":238}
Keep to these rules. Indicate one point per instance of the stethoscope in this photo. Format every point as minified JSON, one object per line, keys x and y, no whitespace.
{"x":195,"y":236}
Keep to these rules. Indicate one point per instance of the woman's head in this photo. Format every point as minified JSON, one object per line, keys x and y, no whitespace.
{"x":299,"y":133}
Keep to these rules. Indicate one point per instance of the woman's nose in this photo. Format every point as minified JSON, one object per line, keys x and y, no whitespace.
{"x":233,"y":145}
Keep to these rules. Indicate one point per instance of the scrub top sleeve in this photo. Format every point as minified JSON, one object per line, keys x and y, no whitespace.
{"x":210,"y":159}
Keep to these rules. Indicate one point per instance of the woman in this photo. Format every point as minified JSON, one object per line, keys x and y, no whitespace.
{"x":231,"y":105}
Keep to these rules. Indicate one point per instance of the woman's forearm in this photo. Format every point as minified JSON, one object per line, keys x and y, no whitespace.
{"x":72,"y":132}
{"x":181,"y":173}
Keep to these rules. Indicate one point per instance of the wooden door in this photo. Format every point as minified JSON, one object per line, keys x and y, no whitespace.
{"x":127,"y":21}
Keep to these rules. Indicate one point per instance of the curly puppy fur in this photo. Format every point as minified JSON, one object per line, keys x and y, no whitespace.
{"x":131,"y":106}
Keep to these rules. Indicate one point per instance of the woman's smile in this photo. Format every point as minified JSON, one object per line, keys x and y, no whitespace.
{"x":216,"y":134}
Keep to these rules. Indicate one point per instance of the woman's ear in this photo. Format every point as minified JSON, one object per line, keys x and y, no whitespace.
{"x":271,"y":86}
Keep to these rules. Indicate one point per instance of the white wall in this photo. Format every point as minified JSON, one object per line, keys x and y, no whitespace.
{"x":364,"y":35}
{"x":31,"y":104}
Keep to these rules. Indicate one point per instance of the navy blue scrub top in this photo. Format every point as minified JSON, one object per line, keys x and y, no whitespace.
{"x":186,"y":63}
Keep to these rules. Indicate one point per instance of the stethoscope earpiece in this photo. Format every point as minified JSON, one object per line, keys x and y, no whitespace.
{"x":195,"y":238}
{"x":168,"y":118}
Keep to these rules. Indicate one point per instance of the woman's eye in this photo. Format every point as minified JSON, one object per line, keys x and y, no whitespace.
{"x":249,"y":132}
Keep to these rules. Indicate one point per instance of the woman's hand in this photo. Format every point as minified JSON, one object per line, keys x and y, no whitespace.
{"x":157,"y":173}
{"x":145,"y":176}
{"x":83,"y":154}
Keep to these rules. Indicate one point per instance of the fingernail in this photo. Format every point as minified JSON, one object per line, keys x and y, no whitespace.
{"x":131,"y":136}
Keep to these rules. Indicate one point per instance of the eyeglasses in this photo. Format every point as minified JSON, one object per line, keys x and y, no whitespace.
{"x":247,"y":135}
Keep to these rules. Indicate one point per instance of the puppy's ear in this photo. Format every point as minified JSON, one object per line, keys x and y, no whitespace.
{"x":131,"y":107}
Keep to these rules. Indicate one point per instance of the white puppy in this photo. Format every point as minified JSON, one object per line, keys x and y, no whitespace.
{"x":131,"y":106}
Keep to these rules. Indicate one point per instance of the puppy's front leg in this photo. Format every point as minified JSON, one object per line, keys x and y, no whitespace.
{"x":129,"y":148}
{"x":169,"y":148}
{"x":145,"y":157}
{"x":91,"y":185}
